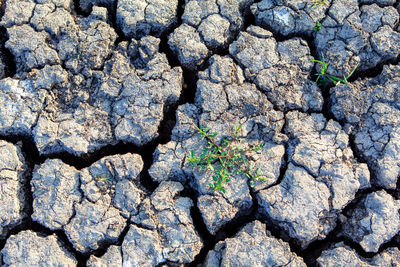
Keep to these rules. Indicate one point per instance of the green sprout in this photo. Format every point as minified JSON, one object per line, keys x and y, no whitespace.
{"x":323,"y":77}
{"x":318,"y":26}
{"x":226,"y":159}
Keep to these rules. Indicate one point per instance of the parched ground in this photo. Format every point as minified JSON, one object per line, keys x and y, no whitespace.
{"x":100,"y":101}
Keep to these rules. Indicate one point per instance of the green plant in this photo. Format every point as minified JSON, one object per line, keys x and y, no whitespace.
{"x":323,"y":77}
{"x":104,"y":179}
{"x":318,"y":26}
{"x":317,"y":3}
{"x":226,"y":159}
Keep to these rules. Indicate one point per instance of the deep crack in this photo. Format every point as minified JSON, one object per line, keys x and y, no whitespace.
{"x":103,"y":249}
{"x":228,"y":230}
{"x":164,"y":47}
{"x":5,"y":54}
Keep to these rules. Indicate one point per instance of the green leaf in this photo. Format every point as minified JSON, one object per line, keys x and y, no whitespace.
{"x":205,"y":151}
{"x":317,"y":61}
{"x":336,"y":80}
{"x":318,"y":26}
{"x":251,"y":183}
{"x":210,"y":167}
{"x":194,"y":164}
{"x":351,"y":73}
{"x":237,"y":128}
{"x":333,"y":78}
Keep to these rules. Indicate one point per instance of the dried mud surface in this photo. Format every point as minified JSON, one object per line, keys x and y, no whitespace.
{"x":100,"y":101}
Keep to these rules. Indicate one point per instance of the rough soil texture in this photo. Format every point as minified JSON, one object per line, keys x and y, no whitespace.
{"x":100,"y":101}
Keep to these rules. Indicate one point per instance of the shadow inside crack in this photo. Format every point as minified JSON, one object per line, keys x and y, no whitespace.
{"x":8,"y":67}
{"x":104,"y":246}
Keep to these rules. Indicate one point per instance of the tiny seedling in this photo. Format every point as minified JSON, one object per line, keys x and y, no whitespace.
{"x":323,"y":77}
{"x":318,"y":26}
{"x":226,"y":159}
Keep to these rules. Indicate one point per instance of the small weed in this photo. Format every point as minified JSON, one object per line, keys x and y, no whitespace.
{"x":318,"y":26}
{"x":317,"y":3}
{"x":227,"y":159}
{"x":323,"y":77}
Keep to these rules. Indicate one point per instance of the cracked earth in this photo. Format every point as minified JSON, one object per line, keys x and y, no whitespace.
{"x":100,"y":101}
